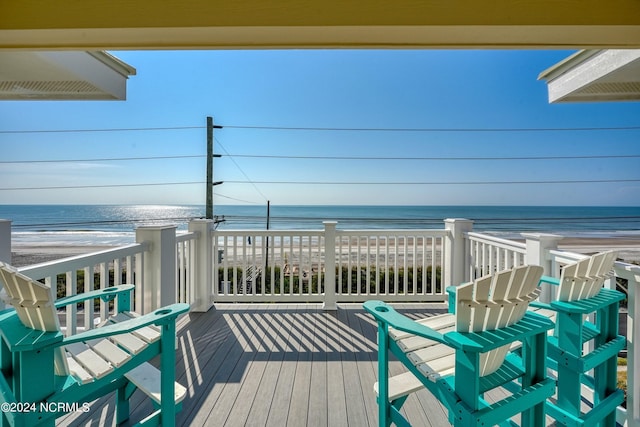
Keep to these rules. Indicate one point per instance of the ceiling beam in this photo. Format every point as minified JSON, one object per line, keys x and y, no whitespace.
{"x":239,"y":24}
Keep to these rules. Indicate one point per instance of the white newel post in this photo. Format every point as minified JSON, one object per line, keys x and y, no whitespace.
{"x":159,"y":266}
{"x":455,"y":261}
{"x":203,"y":264}
{"x":330,"y":265}
{"x":5,"y":246}
{"x":538,"y":247}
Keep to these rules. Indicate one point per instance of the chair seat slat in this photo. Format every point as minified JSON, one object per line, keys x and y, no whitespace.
{"x":149,"y":334}
{"x":110,"y":352}
{"x":78,"y":372}
{"x":91,"y":361}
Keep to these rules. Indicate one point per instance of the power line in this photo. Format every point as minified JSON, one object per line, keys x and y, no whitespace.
{"x":61,"y":187}
{"x":241,"y":170}
{"x":268,"y":156}
{"x":340,"y":129}
{"x":234,"y":198}
{"x":295,"y":157}
{"x":589,"y":181}
{"x":100,"y":130}
{"x":331,"y":129}
{"x":111,"y":159}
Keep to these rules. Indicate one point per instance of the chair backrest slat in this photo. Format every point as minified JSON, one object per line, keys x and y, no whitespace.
{"x":585,"y":278}
{"x":35,"y":306}
{"x":33,"y":301}
{"x":493,"y":302}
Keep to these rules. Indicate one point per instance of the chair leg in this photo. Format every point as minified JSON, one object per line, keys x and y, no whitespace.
{"x":122,"y":403}
{"x":534,"y":354}
{"x":606,"y":374}
{"x":167,"y":376}
{"x":384,"y":409}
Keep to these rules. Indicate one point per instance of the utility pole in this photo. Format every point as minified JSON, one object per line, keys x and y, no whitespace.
{"x":210,"y":156}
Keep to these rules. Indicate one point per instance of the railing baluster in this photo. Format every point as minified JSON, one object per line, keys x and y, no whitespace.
{"x":387,"y":289}
{"x":71,"y":310}
{"x":368,"y":264}
{"x":379,"y":285}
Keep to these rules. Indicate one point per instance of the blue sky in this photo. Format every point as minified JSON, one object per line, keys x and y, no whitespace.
{"x":325,"y":89}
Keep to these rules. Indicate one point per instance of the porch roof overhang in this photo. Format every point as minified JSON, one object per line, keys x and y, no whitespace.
{"x":595,"y":76}
{"x":57,"y":75}
{"x":313,"y":24}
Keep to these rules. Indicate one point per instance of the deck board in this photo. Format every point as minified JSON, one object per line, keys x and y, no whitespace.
{"x":278,"y":365}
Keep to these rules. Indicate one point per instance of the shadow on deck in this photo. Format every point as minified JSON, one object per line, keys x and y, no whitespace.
{"x":277,"y":365}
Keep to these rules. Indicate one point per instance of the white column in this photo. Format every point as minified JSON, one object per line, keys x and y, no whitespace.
{"x":538,"y":247}
{"x":203,"y":264}
{"x":330,"y":297}
{"x":159,"y":266}
{"x":5,"y":240}
{"x":455,"y":268}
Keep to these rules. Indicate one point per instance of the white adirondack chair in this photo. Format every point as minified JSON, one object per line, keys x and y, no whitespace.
{"x":459,"y":356}
{"x":41,"y":366}
{"x":585,"y":344}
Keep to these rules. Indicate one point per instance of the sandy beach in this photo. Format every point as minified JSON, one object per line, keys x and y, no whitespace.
{"x":628,"y":249}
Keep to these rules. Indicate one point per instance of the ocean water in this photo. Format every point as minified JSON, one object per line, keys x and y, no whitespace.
{"x":115,"y":224}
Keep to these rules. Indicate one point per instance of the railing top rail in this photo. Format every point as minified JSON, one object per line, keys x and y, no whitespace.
{"x":183,"y":237}
{"x":38,"y":271}
{"x":268,"y":232}
{"x":565,"y":257}
{"x":392,"y":232}
{"x":627,"y":271}
{"x":622,"y":269}
{"x":497,"y":241}
{"x":358,"y":232}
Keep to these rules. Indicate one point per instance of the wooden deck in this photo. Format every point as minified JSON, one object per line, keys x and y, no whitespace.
{"x":277,"y":365}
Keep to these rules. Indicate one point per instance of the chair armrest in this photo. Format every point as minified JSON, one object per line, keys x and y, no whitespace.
{"x":161,"y":316}
{"x":550,"y":280}
{"x":531,"y":324}
{"x":106,"y":294}
{"x":386,"y":314}
{"x":18,"y":337}
{"x":604,"y":298}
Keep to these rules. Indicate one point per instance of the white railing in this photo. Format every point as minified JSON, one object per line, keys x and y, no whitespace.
{"x":488,"y":254}
{"x":397,"y":265}
{"x":113,"y":267}
{"x":185,"y":267}
{"x":98,"y":270}
{"x":394,"y":265}
{"x":268,"y":266}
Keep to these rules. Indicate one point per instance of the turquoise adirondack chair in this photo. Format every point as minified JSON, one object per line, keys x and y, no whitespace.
{"x":45,"y":374}
{"x":460,"y":356}
{"x":584,"y":351}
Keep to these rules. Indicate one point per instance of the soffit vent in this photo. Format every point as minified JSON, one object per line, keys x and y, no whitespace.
{"x":617,"y":87}
{"x":69,"y":89}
